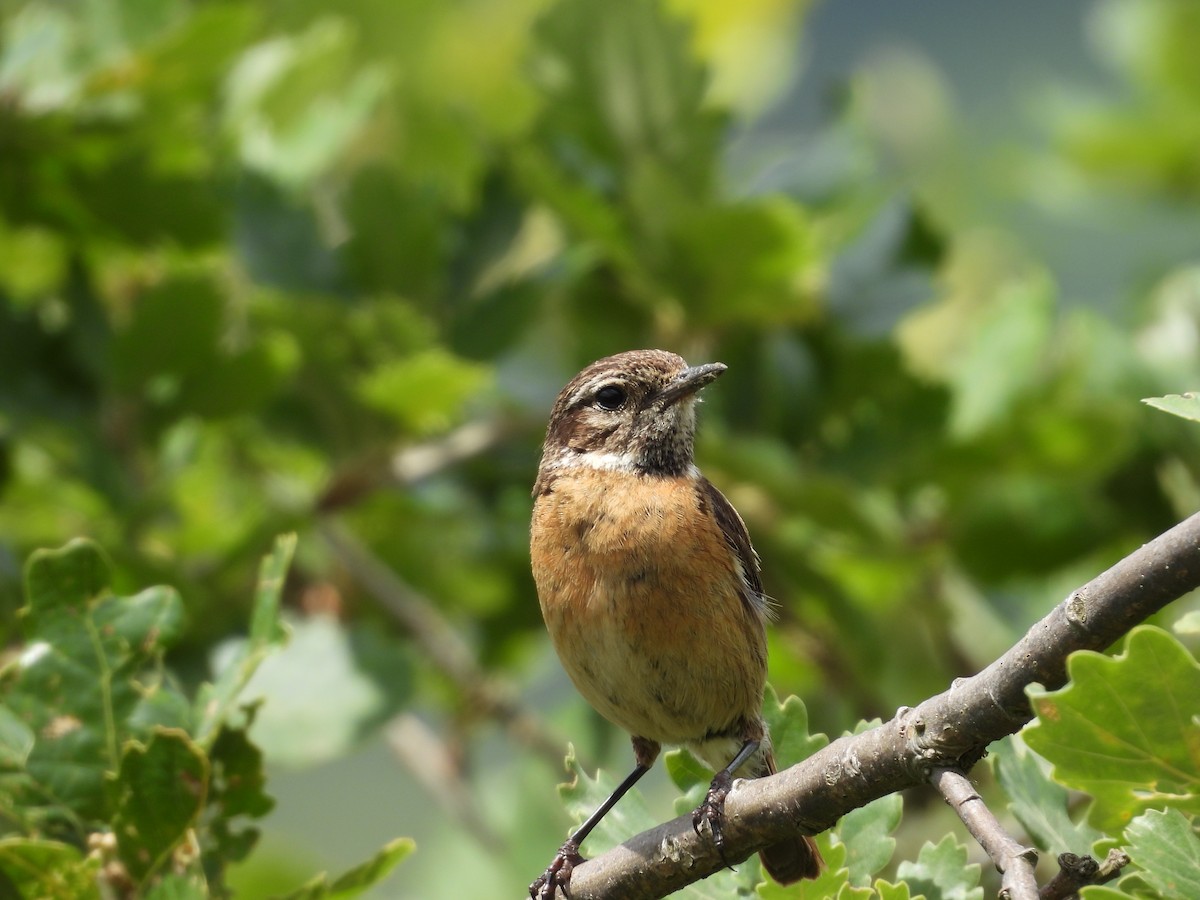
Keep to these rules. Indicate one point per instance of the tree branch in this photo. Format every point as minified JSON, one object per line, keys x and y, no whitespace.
{"x":1075,"y":872}
{"x":410,"y":464}
{"x":1016,"y":863}
{"x":951,"y":730}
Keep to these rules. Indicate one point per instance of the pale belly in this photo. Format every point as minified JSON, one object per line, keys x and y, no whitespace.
{"x":648,"y":620}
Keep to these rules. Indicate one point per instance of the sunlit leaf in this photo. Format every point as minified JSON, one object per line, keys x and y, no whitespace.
{"x":216,"y":700}
{"x":1186,"y":406}
{"x":1165,"y":845}
{"x":1038,"y":802}
{"x":90,"y":676}
{"x":1124,"y":728}
{"x":424,"y":392}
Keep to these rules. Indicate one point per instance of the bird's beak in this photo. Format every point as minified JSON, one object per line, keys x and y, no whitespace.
{"x":687,"y":383}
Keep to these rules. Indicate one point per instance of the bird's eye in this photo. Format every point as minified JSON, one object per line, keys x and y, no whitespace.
{"x":610,"y":397}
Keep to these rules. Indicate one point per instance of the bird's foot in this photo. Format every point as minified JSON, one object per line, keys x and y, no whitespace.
{"x":557,"y":874}
{"x":712,"y":810}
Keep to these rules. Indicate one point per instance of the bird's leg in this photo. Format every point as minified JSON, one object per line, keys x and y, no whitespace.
{"x":712,"y":810}
{"x":558,"y":873}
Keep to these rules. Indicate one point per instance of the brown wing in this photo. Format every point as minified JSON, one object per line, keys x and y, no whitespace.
{"x":738,"y":538}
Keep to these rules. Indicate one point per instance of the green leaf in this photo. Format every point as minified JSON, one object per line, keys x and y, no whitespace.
{"x":217,"y":700}
{"x":32,"y":261}
{"x":1039,"y":803}
{"x":850,"y":892}
{"x":888,"y":891}
{"x":788,"y":723}
{"x":689,"y":775}
{"x":866,"y":834}
{"x":941,"y":872}
{"x":16,"y":740}
{"x":1164,"y":844}
{"x":159,"y":794}
{"x":1124,"y":728}
{"x":1186,"y":406}
{"x":425,"y":392}
{"x":46,"y":869}
{"x":583,"y":794}
{"x":60,"y":578}
{"x":235,"y":790}
{"x":298,"y":100}
{"x":356,"y":880}
{"x":91,"y":675}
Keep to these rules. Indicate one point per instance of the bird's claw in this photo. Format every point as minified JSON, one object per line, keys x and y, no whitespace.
{"x":712,"y":810}
{"x":557,"y":874}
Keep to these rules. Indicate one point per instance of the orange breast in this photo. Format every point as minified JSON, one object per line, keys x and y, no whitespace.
{"x":643,"y":601}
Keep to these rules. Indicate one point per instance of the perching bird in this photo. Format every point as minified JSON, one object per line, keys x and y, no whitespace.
{"x":650,"y":587}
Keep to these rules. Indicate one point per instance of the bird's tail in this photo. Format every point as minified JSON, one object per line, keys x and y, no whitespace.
{"x":792,"y":860}
{"x":795,"y":858}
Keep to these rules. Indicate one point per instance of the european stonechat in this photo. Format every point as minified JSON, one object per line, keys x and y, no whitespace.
{"x":650,"y":588}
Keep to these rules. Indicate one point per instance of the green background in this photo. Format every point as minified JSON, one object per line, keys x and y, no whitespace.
{"x":323,"y":267}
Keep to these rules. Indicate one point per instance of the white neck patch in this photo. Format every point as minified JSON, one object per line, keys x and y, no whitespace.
{"x":607,"y":461}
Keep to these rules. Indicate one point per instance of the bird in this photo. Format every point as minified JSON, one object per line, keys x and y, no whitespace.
{"x":651,"y":590}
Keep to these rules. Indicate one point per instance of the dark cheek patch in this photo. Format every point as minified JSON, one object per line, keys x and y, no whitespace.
{"x":584,"y":437}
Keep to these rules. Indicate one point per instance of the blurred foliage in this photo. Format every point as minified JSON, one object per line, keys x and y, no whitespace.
{"x":114,"y":781}
{"x":265,"y":265}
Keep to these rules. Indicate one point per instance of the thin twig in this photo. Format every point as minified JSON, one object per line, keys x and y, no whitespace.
{"x":1073,"y":873}
{"x":1017,"y":864}
{"x":1076,"y":872}
{"x":441,"y":644}
{"x":951,"y":730}
{"x":1116,"y":860}
{"x":410,"y":464}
